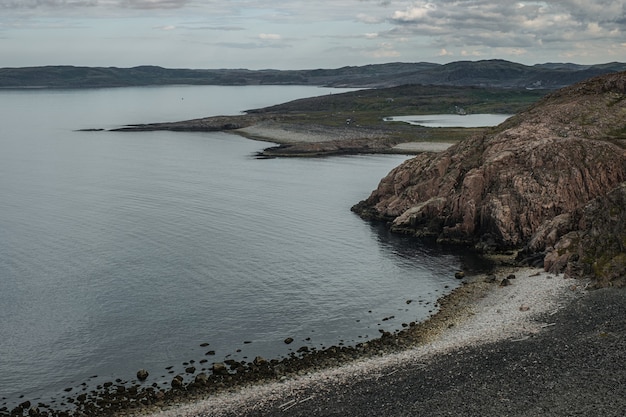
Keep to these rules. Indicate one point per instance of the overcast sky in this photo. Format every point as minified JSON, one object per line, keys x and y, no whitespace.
{"x":302,"y":34}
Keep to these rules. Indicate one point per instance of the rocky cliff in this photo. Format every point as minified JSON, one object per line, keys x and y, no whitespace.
{"x":525,"y":184}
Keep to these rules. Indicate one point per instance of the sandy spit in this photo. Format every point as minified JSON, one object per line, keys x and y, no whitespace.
{"x":496,"y":313}
{"x":422,"y":146}
{"x":279,"y":134}
{"x":286,"y":133}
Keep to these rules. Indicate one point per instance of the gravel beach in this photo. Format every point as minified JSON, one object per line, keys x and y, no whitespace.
{"x":542,"y":345}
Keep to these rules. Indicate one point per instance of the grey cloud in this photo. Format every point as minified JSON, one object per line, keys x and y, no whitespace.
{"x":32,"y":4}
{"x":515,"y":24}
{"x":598,"y":10}
{"x":238,"y":45}
{"x":135,"y":4}
{"x":154,"y":4}
{"x":207,"y":25}
{"x":217,"y":28}
{"x":379,"y":2}
{"x":252,"y":45}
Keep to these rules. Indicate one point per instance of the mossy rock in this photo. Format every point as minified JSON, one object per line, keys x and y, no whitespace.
{"x":611,"y":271}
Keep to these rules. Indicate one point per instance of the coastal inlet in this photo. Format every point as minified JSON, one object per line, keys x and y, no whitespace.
{"x":126,"y":252}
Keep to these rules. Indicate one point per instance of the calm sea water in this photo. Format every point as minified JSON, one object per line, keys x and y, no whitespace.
{"x":453,"y":120}
{"x":124,"y":251}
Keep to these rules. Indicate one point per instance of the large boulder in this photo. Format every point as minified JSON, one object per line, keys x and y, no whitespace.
{"x":501,"y":187}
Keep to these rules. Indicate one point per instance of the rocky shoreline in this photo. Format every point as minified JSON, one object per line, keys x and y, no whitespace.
{"x":517,"y":342}
{"x":549,"y":180}
{"x":568,"y":367}
{"x":138,"y":397}
{"x":514,"y":306}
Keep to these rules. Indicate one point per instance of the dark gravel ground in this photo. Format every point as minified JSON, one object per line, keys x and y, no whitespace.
{"x":576,"y":367}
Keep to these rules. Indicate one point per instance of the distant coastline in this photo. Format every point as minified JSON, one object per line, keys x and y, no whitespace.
{"x":487,"y":73}
{"x":357,"y":122}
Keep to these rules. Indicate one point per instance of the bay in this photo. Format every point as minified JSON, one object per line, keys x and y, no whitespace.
{"x":125,"y":251}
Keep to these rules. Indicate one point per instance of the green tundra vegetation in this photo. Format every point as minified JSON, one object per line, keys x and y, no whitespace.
{"x":369,"y":108}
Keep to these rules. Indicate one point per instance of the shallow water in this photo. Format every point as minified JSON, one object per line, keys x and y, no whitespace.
{"x":452,"y":120}
{"x":124,"y":251}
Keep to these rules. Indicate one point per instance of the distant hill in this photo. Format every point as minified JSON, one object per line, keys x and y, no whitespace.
{"x":489,"y":73}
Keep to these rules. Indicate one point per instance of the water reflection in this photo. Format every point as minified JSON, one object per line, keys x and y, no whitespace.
{"x":427,"y":250}
{"x":452,"y":120}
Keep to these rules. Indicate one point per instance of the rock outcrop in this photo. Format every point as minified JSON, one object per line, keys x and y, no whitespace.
{"x":521,"y":184}
{"x":592,"y":240}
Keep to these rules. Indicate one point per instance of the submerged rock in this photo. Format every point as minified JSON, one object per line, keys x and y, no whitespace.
{"x":177,"y":382}
{"x":219,"y":369}
{"x":201,"y":379}
{"x":260,"y":361}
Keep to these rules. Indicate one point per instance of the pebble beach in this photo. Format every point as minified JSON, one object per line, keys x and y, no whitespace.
{"x":515,"y":311}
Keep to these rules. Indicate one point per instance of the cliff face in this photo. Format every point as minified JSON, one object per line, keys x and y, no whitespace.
{"x":592,"y":240}
{"x":500,"y":189}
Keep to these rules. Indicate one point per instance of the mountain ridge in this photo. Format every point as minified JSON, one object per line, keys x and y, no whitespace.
{"x":491,"y":73}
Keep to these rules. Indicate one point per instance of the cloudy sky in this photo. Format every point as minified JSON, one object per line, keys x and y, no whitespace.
{"x":288,"y":34}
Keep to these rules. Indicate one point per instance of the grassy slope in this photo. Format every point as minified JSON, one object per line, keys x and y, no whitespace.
{"x":368,"y":108}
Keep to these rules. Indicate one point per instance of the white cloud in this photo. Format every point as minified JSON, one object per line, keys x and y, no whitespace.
{"x":384,"y":50}
{"x":418,"y":12}
{"x":369,"y":18}
{"x":270,"y":37}
{"x":473,"y":54}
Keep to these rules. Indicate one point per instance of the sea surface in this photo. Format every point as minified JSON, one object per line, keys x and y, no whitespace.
{"x":122,"y":251}
{"x":453,"y":120}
